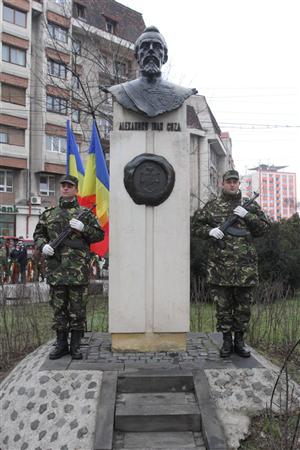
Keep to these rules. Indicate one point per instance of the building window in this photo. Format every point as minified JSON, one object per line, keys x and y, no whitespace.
{"x":111,"y":26}
{"x":14,"y":16}
{"x":56,"y":69}
{"x":213,"y":158}
{"x":3,"y":137}
{"x":13,"y":55}
{"x":106,"y":97}
{"x":7,"y":225}
{"x":105,"y":127}
{"x":57,"y":104}
{"x":79,"y":11}
{"x":47,"y":185}
{"x":13,"y":94}
{"x":56,"y":144}
{"x":76,"y":115}
{"x":76,"y":47}
{"x":12,"y":136}
{"x":120,"y":68}
{"x":60,"y":2}
{"x":75,"y":83}
{"x":6,"y":181}
{"x":58,"y":33}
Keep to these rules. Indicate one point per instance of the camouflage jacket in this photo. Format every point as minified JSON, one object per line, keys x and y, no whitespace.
{"x":70,"y":263}
{"x":233,"y":263}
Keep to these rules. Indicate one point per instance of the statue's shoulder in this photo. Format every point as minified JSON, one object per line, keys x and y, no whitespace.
{"x":150,"y":98}
{"x":119,"y":92}
{"x":180,"y":90}
{"x":116,"y":89}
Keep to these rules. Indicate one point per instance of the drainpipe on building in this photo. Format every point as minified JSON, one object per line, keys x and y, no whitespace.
{"x":28,"y":184}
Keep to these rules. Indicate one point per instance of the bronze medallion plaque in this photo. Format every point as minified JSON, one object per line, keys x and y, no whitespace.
{"x":149,"y":179}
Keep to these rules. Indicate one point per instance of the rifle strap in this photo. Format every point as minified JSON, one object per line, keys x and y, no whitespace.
{"x":77,"y":244}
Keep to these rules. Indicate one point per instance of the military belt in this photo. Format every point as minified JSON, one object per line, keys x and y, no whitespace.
{"x":237,"y":232}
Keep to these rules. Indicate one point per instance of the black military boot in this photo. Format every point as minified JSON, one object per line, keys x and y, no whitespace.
{"x":239,"y":345}
{"x":61,"y":346}
{"x":227,"y":346}
{"x":75,"y":344}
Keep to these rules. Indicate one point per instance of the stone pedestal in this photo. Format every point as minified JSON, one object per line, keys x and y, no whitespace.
{"x":149,"y":276}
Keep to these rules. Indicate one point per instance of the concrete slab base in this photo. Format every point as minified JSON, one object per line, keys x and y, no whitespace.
{"x":148,"y":342}
{"x":183,"y":440}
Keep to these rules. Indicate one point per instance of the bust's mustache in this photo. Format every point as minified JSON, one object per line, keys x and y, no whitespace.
{"x":150,"y":60}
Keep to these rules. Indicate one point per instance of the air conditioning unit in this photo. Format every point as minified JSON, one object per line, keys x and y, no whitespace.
{"x":34,"y":200}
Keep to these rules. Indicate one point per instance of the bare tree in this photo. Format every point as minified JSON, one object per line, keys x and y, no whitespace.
{"x":82,"y":61}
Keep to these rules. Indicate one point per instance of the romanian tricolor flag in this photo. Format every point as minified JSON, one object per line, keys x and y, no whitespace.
{"x":74,"y":163}
{"x":96,"y":189}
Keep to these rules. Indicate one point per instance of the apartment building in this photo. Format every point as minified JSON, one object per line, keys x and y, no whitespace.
{"x":278,"y":196}
{"x":56,"y":58}
{"x":210,"y":150}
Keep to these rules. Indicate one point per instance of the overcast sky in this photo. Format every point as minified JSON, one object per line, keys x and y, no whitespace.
{"x":243,"y":55}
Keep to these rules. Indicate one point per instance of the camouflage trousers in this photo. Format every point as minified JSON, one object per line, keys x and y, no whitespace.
{"x":69,"y":307}
{"x":233,"y":307}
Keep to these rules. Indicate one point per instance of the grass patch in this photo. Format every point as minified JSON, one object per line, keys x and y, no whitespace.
{"x":97,"y":314}
{"x":202,"y":317}
{"x":274,"y":326}
{"x":25,"y":326}
{"x":276,"y":432}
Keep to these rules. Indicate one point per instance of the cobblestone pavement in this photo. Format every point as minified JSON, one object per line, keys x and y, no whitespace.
{"x":202,"y":353}
{"x":53,"y":410}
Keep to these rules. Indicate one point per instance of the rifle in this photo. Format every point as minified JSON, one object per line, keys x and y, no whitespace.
{"x":227,"y":226}
{"x":68,"y":230}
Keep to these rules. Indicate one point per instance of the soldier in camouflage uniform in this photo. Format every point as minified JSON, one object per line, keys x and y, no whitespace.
{"x":68,"y":266}
{"x":232,"y":260}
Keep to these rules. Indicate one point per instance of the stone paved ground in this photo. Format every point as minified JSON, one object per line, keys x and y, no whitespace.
{"x":202,"y":353}
{"x":51,"y":405}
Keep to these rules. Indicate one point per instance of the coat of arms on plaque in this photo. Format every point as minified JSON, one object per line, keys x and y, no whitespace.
{"x":149,"y":179}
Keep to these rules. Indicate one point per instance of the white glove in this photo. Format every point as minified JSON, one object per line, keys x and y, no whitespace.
{"x":240,"y":211}
{"x":76,"y":224}
{"x":216,"y":233}
{"x":48,"y":250}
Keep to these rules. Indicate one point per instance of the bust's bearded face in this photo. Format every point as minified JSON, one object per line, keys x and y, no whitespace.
{"x":150,"y":57}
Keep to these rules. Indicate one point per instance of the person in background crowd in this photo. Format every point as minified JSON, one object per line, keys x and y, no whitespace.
{"x":19,"y":256}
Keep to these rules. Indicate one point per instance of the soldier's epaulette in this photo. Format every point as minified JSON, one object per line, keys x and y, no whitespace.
{"x":48,"y":209}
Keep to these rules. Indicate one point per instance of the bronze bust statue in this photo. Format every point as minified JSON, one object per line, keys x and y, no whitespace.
{"x":150,"y":94}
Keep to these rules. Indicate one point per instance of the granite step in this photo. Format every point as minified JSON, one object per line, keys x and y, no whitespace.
{"x":156,"y":381}
{"x":176,"y":440}
{"x":161,"y":411}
